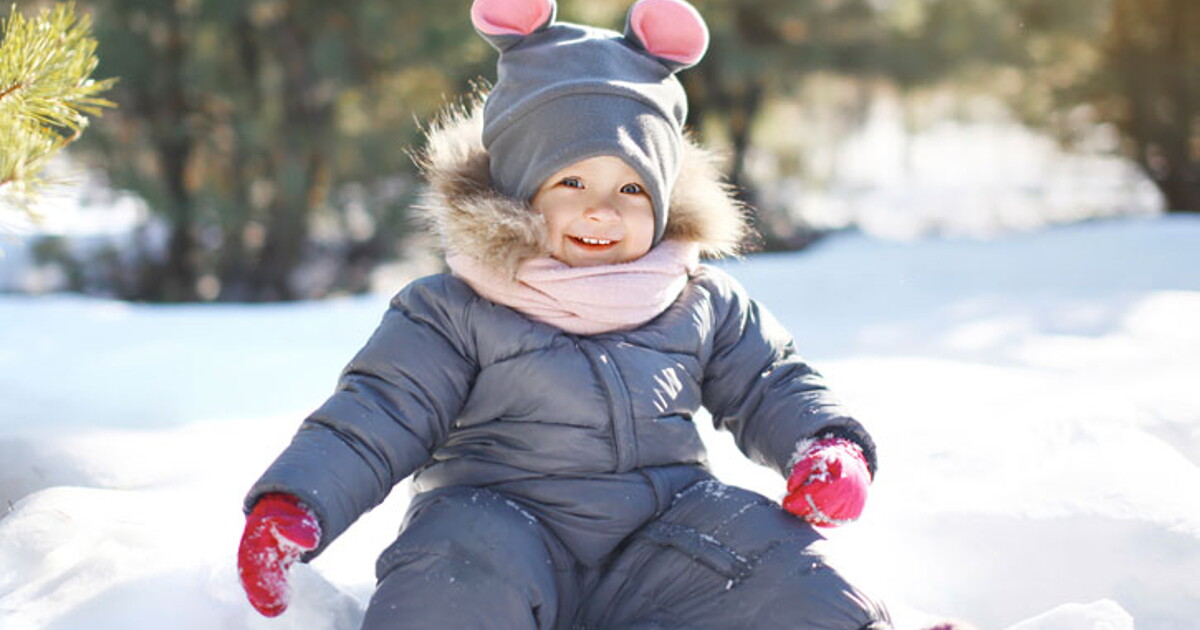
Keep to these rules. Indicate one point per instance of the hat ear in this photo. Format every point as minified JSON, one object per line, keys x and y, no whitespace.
{"x":671,"y":30}
{"x":503,"y":22}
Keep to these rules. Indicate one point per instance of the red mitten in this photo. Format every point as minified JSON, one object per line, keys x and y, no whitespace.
{"x":278,"y":531}
{"x":828,"y":485}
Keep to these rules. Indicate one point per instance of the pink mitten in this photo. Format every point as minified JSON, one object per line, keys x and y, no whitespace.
{"x":278,"y":531}
{"x":510,"y":17}
{"x":671,"y":29}
{"x":828,"y":485}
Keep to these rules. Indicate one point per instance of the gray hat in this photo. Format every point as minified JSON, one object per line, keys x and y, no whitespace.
{"x":566,"y":92}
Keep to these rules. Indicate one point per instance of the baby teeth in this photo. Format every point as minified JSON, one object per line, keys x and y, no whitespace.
{"x":594,"y":241}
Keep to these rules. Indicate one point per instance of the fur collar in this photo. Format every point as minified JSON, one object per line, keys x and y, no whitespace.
{"x":469,"y":216}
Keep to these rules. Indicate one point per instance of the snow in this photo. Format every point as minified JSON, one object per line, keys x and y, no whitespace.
{"x":1033,"y":396}
{"x":1101,"y":615}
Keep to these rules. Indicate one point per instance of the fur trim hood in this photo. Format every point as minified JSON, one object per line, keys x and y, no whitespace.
{"x":469,"y":216}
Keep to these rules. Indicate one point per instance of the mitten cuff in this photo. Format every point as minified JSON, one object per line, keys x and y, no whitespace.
{"x":274,"y":505}
{"x":804,"y":446}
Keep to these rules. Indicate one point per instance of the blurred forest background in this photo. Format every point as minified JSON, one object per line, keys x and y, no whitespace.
{"x":268,"y":139}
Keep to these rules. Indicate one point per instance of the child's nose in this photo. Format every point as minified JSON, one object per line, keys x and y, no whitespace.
{"x":601,"y":213}
{"x":602,"y":210}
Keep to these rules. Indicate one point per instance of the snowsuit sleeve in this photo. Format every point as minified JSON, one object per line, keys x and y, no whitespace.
{"x":393,"y":406}
{"x":758,"y":388}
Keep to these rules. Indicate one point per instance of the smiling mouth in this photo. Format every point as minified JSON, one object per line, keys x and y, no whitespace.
{"x":592,"y":242}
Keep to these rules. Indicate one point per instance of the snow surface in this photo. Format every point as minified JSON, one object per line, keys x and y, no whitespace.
{"x":1034,"y":398}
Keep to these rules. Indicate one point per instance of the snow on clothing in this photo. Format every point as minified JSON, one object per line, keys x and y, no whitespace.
{"x":719,"y":558}
{"x":588,"y":442}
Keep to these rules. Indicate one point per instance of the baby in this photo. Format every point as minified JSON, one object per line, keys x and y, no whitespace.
{"x":543,"y":394}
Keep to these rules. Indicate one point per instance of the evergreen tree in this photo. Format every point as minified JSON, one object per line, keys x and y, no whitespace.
{"x":46,"y":93}
{"x":269,"y":137}
{"x":764,"y":50}
{"x":1148,"y":85}
{"x":1130,"y":64}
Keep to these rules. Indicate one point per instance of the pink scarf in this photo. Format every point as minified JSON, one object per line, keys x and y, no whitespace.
{"x":587,"y":300}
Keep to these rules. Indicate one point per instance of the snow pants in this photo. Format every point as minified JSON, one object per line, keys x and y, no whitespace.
{"x":719,"y":558}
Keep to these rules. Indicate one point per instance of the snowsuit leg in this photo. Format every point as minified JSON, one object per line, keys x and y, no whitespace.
{"x":722,"y":558}
{"x":469,"y":558}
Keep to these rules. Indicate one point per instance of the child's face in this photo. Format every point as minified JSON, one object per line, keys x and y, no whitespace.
{"x":597,"y":212}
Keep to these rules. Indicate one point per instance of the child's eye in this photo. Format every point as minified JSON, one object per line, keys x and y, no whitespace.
{"x":632,"y":189}
{"x":571,"y":182}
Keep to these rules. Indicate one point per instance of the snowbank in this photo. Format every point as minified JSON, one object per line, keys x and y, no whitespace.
{"x":1033,"y":397}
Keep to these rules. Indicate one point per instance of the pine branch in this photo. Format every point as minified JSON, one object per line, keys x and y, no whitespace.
{"x":46,"y":92}
{"x":10,"y":90}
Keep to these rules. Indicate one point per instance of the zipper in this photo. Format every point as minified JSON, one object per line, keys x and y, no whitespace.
{"x":620,"y":405}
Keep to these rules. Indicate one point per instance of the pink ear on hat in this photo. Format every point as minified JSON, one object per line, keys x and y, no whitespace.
{"x":510,"y":17}
{"x":670,"y":29}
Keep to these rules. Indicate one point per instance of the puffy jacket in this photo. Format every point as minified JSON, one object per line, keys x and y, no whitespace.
{"x":592,"y":434}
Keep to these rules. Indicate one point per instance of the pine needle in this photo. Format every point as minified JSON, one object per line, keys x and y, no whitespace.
{"x":46,"y":92}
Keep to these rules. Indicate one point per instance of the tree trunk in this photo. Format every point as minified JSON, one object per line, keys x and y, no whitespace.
{"x":300,"y":167}
{"x":1182,"y":186}
{"x":747,"y":105}
{"x":175,"y":280}
{"x":281,"y":251}
{"x":235,"y":259}
{"x":1162,"y":115}
{"x":1181,"y":191}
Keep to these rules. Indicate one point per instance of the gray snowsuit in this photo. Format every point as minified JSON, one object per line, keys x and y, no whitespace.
{"x":561,"y":481}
